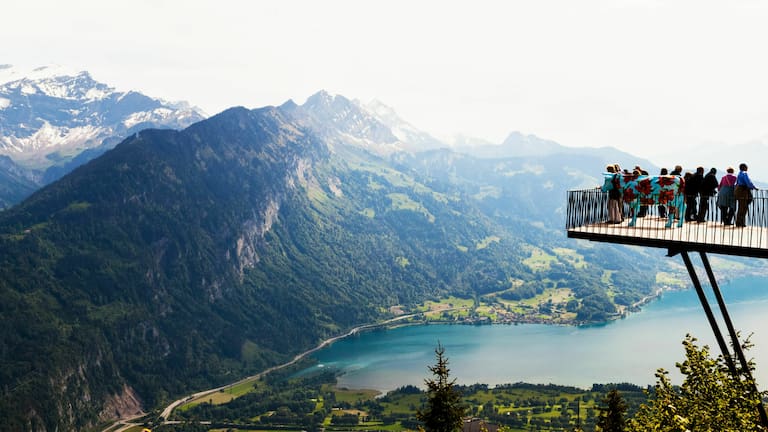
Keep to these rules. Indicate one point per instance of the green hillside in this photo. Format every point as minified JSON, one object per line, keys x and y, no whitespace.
{"x":186,"y":259}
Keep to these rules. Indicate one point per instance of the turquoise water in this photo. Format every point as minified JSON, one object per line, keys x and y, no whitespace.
{"x":628,"y":350}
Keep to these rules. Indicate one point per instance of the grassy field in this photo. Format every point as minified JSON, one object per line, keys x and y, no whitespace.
{"x":539,"y":260}
{"x":484,"y":243}
{"x":350,"y":396}
{"x":571,"y":256}
{"x":492,"y":308}
{"x":404,"y":202}
{"x":445,"y":304}
{"x":521,"y":407}
{"x":541,"y":406}
{"x":223,"y":396}
{"x":671,"y":280}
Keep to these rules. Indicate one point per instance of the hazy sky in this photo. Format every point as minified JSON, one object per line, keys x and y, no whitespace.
{"x":657,"y":78}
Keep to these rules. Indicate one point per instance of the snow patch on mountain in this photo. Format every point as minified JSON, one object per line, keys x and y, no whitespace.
{"x":50,"y":108}
{"x":50,"y":137}
{"x":10,"y":73}
{"x":157,"y":114}
{"x":80,"y":87}
{"x":28,"y":89}
{"x":413,"y":139}
{"x":96,"y":94}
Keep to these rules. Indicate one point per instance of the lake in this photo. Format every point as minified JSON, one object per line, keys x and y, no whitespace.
{"x":627,"y":350}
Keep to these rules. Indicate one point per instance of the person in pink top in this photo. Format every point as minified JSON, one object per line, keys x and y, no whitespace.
{"x":726,"y":199}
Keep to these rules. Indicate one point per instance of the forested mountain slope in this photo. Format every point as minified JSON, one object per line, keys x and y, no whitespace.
{"x":184,"y":259}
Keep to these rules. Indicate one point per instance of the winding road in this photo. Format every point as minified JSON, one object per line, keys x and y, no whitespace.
{"x":169,"y":409}
{"x":124,"y":424}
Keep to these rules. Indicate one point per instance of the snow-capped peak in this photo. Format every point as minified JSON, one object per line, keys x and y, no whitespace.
{"x":55,"y":109}
{"x":10,"y":73}
{"x":381,"y":110}
{"x":54,"y":81}
{"x":413,"y":138}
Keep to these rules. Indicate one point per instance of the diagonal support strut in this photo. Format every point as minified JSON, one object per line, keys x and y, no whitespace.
{"x":716,"y":328}
{"x":732,"y":332}
{"x":708,"y":312}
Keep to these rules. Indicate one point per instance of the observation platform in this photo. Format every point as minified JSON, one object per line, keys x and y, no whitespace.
{"x":587,"y":218}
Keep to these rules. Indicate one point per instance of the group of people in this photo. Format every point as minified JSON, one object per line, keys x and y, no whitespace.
{"x":615,"y":192}
{"x":699,"y":189}
{"x":734,"y":194}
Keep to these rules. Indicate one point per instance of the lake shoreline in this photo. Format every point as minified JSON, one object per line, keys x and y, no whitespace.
{"x":626,"y":350}
{"x":398,"y":322}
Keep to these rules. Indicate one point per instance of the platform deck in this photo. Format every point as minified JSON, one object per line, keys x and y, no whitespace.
{"x":587,"y":219}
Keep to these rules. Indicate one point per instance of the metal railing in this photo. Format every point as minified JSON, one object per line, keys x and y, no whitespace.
{"x":588,"y":212}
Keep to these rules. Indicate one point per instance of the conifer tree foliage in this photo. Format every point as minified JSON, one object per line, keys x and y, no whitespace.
{"x":444,"y":410}
{"x":710,"y":398}
{"x":612,"y":413}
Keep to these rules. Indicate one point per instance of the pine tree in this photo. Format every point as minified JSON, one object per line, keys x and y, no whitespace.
{"x":612,"y":413}
{"x":444,"y":410}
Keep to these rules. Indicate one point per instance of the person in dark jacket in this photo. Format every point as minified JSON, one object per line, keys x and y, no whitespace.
{"x":692,"y":188}
{"x":706,"y":192}
{"x":643,"y":208}
{"x":613,"y":187}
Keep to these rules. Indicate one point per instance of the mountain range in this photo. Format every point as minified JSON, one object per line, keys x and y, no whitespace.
{"x":183,"y":259}
{"x":53,"y":120}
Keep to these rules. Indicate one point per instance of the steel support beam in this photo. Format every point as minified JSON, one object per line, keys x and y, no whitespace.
{"x":716,"y":328}
{"x":732,"y":332}
{"x":708,"y":312}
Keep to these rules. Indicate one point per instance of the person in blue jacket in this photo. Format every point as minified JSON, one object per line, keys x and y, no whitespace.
{"x":743,"y":193}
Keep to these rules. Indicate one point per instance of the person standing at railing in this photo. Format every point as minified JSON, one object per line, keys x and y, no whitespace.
{"x":641,"y":172}
{"x":743,"y":193}
{"x":692,"y":188}
{"x":726,"y":199}
{"x":663,"y":208}
{"x":612,"y":185}
{"x":707,"y":190}
{"x":678,"y":171}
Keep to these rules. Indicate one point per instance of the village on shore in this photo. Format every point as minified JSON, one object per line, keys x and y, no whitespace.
{"x":455,"y":310}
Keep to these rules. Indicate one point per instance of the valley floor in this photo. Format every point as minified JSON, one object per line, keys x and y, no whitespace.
{"x":449,"y":310}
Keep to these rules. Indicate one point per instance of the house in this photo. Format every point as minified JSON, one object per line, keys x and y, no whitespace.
{"x":474,"y":424}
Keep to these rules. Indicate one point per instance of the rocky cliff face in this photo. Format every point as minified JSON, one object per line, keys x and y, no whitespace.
{"x":123,"y":405}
